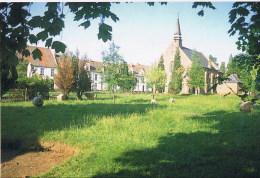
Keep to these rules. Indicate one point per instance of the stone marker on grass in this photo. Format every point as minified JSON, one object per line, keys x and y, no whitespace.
{"x":61,"y":97}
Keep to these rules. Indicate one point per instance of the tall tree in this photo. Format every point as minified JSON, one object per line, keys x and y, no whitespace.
{"x":223,"y":67}
{"x":156,"y":76}
{"x":83,"y":82}
{"x":111,"y":64}
{"x":213,"y":59}
{"x":248,"y":72}
{"x":160,"y":86}
{"x":64,"y":79}
{"x":196,"y":73}
{"x":126,"y":79}
{"x":175,"y":84}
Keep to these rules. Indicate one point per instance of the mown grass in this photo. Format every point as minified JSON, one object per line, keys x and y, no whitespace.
{"x":197,"y":136}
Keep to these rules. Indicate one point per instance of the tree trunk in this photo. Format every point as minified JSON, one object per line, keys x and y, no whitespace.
{"x":114,"y":96}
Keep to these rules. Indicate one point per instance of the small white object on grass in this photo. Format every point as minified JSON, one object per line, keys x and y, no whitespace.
{"x":171,"y":100}
{"x":153,"y":101}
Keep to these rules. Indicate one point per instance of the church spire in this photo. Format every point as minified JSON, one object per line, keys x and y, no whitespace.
{"x":177,"y":35}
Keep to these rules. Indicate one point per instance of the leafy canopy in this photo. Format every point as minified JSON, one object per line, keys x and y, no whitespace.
{"x":175,"y":84}
{"x":196,"y":73}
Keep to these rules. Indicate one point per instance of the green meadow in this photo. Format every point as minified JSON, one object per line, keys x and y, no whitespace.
{"x":197,"y":136}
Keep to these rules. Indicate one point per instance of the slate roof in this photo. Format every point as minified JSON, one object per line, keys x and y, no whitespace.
{"x":47,"y":60}
{"x":188,"y":52}
{"x":233,"y":78}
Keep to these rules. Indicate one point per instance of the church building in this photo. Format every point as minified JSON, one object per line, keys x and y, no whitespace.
{"x":211,"y":69}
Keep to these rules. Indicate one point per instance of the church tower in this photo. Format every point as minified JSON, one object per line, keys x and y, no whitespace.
{"x":177,"y":40}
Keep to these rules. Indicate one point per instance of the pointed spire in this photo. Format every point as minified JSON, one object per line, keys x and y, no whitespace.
{"x":177,"y":35}
{"x":178,"y":29}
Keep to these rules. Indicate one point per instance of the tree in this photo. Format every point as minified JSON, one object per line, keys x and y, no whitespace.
{"x":196,"y":73}
{"x":160,"y":87}
{"x":244,"y":20}
{"x":64,"y":79}
{"x":83,"y":81}
{"x":111,"y":64}
{"x":223,"y":67}
{"x":126,"y":79}
{"x":155,"y":76}
{"x":175,"y":84}
{"x":213,"y":59}
{"x":246,"y":71}
{"x":22,"y":68}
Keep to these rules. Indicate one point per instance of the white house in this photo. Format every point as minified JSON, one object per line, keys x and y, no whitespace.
{"x":46,"y":67}
{"x":96,"y":76}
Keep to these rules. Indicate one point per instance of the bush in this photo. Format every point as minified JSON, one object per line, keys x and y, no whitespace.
{"x":35,"y":86}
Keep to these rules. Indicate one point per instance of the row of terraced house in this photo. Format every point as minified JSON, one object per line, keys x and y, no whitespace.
{"x":47,"y":67}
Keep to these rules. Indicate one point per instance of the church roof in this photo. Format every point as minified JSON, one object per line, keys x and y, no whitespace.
{"x":233,"y":78}
{"x":189,"y":52}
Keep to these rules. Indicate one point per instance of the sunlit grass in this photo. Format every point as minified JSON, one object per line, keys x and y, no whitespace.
{"x":197,"y":136}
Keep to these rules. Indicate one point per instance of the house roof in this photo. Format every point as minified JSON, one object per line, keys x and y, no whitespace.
{"x":47,"y":59}
{"x":94,"y":65}
{"x":233,"y":78}
{"x":136,"y":68}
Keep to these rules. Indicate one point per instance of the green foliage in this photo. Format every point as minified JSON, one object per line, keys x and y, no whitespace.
{"x":160,"y":86}
{"x":111,"y":64}
{"x":22,"y":68}
{"x":175,"y":84}
{"x":35,"y":86}
{"x":244,"y":20}
{"x":161,"y":63}
{"x":81,"y":77}
{"x":213,"y":59}
{"x":245,"y":66}
{"x":156,"y":76}
{"x":196,"y":73}
{"x":126,"y":79}
{"x":223,"y":67}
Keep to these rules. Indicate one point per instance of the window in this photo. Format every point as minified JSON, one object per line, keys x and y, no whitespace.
{"x":95,"y":76}
{"x":95,"y":86}
{"x":42,"y":71}
{"x":52,"y":72}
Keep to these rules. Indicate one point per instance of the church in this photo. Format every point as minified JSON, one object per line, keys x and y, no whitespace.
{"x":211,"y":69}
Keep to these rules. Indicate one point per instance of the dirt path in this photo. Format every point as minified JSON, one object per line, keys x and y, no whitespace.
{"x":34,"y":162}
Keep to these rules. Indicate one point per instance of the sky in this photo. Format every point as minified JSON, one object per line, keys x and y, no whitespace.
{"x":144,"y":32}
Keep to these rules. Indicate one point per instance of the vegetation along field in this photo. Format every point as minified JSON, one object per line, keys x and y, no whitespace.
{"x":197,"y":136}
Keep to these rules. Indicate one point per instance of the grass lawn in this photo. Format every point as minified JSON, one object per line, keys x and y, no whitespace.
{"x":197,"y":136}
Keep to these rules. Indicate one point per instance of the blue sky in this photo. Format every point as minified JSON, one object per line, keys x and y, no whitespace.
{"x":143,"y":32}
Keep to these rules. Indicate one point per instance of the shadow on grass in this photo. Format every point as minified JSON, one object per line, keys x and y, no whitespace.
{"x":26,"y":124}
{"x":230,"y":149}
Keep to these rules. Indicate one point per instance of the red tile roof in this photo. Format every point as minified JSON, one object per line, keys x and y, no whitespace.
{"x":48,"y":60}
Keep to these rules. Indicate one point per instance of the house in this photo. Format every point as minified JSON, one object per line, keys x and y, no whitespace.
{"x":139,"y":71}
{"x":94,"y":67}
{"x":96,"y":73}
{"x":46,"y":67}
{"x":233,"y":85}
{"x":211,"y":69}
